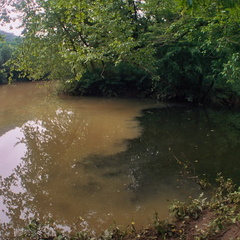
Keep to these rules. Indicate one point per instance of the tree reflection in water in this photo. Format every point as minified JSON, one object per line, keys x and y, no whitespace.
{"x":55,"y":179}
{"x":77,"y":162}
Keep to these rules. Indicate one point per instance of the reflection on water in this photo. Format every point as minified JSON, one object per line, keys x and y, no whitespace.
{"x":102,"y":159}
{"x":9,"y":149}
{"x":206,"y":140}
{"x":52,"y":157}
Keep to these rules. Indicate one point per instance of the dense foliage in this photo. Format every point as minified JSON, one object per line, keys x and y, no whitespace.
{"x":5,"y":55}
{"x":8,"y":42}
{"x":166,"y":49}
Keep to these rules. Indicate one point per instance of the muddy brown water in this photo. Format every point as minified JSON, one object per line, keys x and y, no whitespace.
{"x":94,"y":162}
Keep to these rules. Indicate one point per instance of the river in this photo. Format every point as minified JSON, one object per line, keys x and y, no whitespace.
{"x":92,"y":162}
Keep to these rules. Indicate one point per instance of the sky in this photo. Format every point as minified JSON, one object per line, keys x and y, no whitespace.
{"x":12,"y":28}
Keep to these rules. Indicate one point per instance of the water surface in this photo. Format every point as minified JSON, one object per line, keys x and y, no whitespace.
{"x":95,"y":160}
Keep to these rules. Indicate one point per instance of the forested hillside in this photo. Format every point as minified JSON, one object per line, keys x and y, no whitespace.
{"x":8,"y":37}
{"x":8,"y":42}
{"x":182,"y":50}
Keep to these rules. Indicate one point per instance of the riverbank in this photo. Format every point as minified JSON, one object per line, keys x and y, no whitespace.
{"x":201,"y":218}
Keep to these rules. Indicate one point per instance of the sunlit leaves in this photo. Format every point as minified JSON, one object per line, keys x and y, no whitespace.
{"x":75,"y":33}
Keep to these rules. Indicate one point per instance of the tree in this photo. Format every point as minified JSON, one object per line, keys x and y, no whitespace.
{"x":80,"y":36}
{"x":196,"y":49}
{"x":184,"y":49}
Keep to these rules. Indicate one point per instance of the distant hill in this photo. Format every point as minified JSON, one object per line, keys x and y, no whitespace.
{"x":9,"y":37}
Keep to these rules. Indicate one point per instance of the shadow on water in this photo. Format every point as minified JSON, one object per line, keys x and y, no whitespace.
{"x":177,"y":143}
{"x":207,"y":140}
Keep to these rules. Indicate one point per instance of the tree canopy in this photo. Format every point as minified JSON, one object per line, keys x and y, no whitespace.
{"x":165,"y":49}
